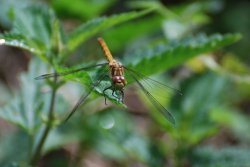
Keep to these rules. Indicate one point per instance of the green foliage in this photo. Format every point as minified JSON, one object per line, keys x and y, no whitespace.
{"x":226,"y":157}
{"x":111,"y":132}
{"x":192,"y":115}
{"x":117,"y":134}
{"x":28,"y":109}
{"x":36,"y":24}
{"x":131,"y":35}
{"x":9,"y":9}
{"x":16,"y":40}
{"x":197,"y":102}
{"x":193,"y":121}
{"x":75,"y":10}
{"x":235,"y":66}
{"x":92,"y":27}
{"x":34,"y":30}
{"x":236,"y":20}
{"x":234,"y":120}
{"x":15,"y":150}
{"x":164,"y":55}
{"x":184,"y":19}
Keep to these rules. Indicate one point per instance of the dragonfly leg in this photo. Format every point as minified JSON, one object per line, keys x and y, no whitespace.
{"x":105,"y":100}
{"x":113,"y":94}
{"x":105,"y":96}
{"x":118,"y":97}
{"x":122,"y":93}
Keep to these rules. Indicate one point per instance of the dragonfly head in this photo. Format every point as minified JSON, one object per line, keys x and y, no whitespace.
{"x":117,"y":74}
{"x":119,"y":82}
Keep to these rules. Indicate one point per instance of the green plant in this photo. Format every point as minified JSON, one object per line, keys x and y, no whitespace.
{"x":39,"y":31}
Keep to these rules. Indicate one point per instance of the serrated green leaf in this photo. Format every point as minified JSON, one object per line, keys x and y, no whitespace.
{"x":82,"y":77}
{"x":36,"y":23}
{"x":163,"y":56}
{"x":92,"y":27}
{"x":37,"y":30}
{"x":16,"y":40}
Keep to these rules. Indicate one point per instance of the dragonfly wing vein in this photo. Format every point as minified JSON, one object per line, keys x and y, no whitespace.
{"x":143,"y":77}
{"x":84,"y":97}
{"x":68,"y":72}
{"x":80,"y":101}
{"x":158,"y":106}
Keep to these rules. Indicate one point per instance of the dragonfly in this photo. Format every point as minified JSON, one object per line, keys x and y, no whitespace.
{"x":118,"y":82}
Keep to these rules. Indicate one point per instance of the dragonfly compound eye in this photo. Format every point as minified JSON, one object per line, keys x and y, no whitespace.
{"x":119,"y":80}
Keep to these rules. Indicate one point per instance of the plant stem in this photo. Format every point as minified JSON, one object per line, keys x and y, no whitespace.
{"x":38,"y":150}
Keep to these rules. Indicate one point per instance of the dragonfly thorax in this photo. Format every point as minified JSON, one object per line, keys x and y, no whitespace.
{"x":117,"y":74}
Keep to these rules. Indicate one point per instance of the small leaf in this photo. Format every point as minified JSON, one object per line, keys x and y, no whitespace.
{"x":92,"y":27}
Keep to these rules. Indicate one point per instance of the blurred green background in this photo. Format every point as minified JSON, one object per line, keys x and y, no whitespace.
{"x":199,"y":47}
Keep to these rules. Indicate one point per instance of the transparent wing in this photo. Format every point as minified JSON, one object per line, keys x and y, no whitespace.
{"x":44,"y":76}
{"x":135,"y":75}
{"x":84,"y":96}
{"x":80,"y":101}
{"x":151,"y":81}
